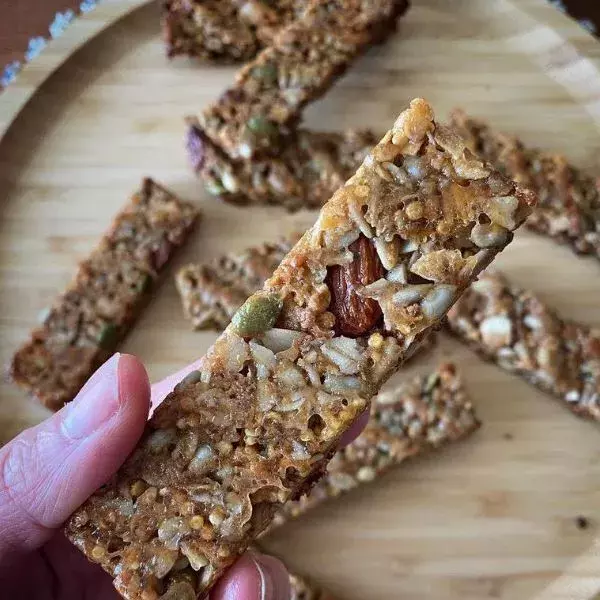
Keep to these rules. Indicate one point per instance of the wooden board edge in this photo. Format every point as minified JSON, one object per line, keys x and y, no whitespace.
{"x":33,"y":74}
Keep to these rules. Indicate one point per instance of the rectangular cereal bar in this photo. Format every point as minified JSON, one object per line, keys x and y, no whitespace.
{"x":520,"y":333}
{"x":225,"y":31}
{"x":308,"y":169}
{"x":412,"y":419}
{"x":264,"y":104}
{"x":85,"y":323}
{"x":213,"y":291}
{"x":257,"y":424}
{"x":569,"y":200}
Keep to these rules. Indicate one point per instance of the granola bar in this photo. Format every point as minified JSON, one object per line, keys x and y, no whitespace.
{"x":256,"y":425}
{"x":309,"y":168}
{"x":212,"y":292}
{"x":85,"y":323}
{"x":517,"y":331}
{"x":264,"y":104}
{"x":225,"y":31}
{"x":569,"y":206}
{"x":411,"y":419}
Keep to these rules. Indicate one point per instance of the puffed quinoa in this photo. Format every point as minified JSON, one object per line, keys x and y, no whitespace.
{"x":331,"y":282}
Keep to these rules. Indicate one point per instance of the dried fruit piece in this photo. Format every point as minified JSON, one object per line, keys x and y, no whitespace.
{"x":355,"y":315}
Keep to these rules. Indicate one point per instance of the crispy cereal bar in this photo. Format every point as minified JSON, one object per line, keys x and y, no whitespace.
{"x":212,"y":292}
{"x":85,"y":324}
{"x":414,"y":418}
{"x":569,"y":200}
{"x":309,"y":168}
{"x":264,"y":104}
{"x":516,"y":330}
{"x":256,"y":425}
{"x":225,"y":31}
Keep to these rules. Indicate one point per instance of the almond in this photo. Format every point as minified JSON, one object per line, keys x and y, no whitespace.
{"x":354,"y":315}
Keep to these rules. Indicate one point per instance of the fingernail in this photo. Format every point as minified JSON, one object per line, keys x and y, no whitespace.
{"x":275,"y":584}
{"x":95,"y":404}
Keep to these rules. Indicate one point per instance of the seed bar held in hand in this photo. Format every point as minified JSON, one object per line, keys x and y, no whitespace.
{"x":309,"y":168}
{"x":569,"y":200}
{"x":257,"y":424}
{"x":256,"y":114}
{"x":212,"y":292}
{"x":225,"y":31}
{"x":517,"y":331}
{"x":85,"y":324}
{"x":411,"y":419}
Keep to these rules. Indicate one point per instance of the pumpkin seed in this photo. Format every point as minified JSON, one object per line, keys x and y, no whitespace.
{"x":258,"y":314}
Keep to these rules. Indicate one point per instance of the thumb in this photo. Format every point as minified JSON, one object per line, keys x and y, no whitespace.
{"x":254,"y":576}
{"x":50,"y":470}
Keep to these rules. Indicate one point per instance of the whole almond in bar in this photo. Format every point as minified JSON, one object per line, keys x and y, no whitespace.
{"x":308,"y":169}
{"x":212,"y":292}
{"x":257,"y":424}
{"x":257,"y":113}
{"x":520,"y":333}
{"x":569,"y":200}
{"x":85,"y":324}
{"x":411,"y":419}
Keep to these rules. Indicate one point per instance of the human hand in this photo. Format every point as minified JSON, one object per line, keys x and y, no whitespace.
{"x":50,"y":470}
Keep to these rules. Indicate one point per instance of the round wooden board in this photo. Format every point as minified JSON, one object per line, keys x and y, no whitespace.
{"x":492,"y":517}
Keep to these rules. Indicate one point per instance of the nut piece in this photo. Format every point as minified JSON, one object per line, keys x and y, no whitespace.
{"x":258,"y":314}
{"x":355,"y":315}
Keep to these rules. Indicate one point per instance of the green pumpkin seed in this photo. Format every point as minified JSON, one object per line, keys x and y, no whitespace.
{"x":258,"y":314}
{"x":262,"y":126}
{"x":267,"y":73}
{"x":214,"y":188}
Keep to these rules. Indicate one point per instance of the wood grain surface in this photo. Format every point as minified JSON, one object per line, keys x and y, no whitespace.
{"x":494,"y":517}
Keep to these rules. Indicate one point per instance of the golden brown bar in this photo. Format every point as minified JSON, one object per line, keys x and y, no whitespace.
{"x":411,"y":419}
{"x":305,"y":173}
{"x":520,"y":333}
{"x":256,"y":114}
{"x":569,"y":200}
{"x":225,"y":31}
{"x":257,"y":424}
{"x":85,"y":324}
